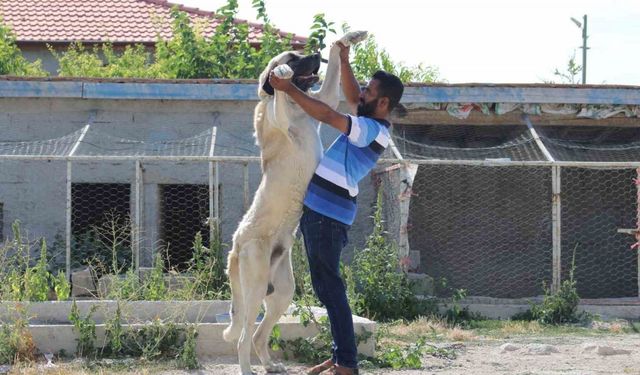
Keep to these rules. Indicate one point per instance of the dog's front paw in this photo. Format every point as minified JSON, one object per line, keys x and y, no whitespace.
{"x":353,"y":37}
{"x":283,"y":71}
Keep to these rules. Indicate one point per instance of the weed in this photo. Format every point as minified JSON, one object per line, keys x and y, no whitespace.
{"x":37,"y":278}
{"x":207,"y":268}
{"x":85,"y":329}
{"x":22,"y":280}
{"x":560,"y":307}
{"x":187,"y":358}
{"x":155,"y":288}
{"x":156,"y":339}
{"x":61,"y":286}
{"x":114,"y":333}
{"x":16,"y":341}
{"x":308,"y":350}
{"x":397,"y":357}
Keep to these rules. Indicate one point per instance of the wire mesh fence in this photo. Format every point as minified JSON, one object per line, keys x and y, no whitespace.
{"x":503,"y":218}
{"x":601,"y":202}
{"x":497,"y":214}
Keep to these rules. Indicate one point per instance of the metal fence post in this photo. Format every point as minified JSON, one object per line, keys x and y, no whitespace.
{"x":556,"y":218}
{"x":137,"y":225}
{"x":216,"y":197}
{"x":68,"y":224}
{"x":213,"y":190}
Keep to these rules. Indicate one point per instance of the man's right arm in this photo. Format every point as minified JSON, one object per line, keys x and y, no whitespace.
{"x":350,"y":85}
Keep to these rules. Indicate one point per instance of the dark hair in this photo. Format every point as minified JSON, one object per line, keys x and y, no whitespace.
{"x":390,"y":86}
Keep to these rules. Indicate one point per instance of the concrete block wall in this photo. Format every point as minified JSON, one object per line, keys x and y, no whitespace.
{"x":34,"y":191}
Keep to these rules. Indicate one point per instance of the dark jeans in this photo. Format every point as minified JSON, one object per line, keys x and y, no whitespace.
{"x":324,"y":239}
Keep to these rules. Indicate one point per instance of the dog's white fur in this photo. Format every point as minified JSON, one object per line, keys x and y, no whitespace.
{"x":261,"y":254}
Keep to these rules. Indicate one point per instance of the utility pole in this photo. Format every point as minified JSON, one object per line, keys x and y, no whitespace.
{"x":583,"y":26}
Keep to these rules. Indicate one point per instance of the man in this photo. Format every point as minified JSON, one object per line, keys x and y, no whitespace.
{"x":330,"y":202}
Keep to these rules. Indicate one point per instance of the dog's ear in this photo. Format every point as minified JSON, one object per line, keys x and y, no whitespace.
{"x":267,"y":88}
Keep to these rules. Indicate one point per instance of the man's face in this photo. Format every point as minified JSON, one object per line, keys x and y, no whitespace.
{"x":368,"y":99}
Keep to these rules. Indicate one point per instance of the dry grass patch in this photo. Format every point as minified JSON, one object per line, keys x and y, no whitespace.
{"x":515,"y":327}
{"x":80,"y":367}
{"x":417,"y":328}
{"x":433,"y":329}
{"x":459,"y":334}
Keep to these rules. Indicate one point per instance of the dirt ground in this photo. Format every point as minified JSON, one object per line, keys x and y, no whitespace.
{"x":481,"y":356}
{"x":484,"y":357}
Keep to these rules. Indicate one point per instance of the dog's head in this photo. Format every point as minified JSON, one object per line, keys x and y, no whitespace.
{"x":305,"y":71}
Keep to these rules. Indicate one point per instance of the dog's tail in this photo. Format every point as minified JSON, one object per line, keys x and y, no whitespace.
{"x":232,"y":332}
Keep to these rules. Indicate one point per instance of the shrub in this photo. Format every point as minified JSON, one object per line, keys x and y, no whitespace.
{"x":380,"y":290}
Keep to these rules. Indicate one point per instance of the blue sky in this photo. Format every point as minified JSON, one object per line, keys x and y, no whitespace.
{"x":518,"y":41}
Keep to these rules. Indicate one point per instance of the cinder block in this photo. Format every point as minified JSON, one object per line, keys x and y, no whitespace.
{"x":82,"y":283}
{"x":421,"y":284}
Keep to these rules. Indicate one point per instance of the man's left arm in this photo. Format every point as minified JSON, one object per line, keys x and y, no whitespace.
{"x":313,"y":107}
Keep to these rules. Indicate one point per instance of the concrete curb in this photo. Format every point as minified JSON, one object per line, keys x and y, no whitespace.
{"x":52,"y":331}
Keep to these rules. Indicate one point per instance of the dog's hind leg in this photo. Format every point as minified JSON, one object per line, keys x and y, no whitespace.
{"x":236,"y":312}
{"x":276,"y":303}
{"x":254,"y":278}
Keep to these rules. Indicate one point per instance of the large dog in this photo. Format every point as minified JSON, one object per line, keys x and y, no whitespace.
{"x":259,"y":263}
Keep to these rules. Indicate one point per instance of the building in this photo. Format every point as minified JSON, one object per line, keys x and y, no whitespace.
{"x":491,"y":187}
{"x":57,"y":23}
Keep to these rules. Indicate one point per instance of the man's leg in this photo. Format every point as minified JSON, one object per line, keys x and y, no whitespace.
{"x":324,"y":240}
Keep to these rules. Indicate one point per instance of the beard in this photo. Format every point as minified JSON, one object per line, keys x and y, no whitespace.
{"x":367,"y":109}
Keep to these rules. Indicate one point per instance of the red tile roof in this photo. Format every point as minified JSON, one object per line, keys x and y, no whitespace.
{"x":95,"y":21}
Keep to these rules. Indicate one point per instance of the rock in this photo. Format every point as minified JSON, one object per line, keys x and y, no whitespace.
{"x":541,"y":349}
{"x":603,"y":350}
{"x":509,"y":347}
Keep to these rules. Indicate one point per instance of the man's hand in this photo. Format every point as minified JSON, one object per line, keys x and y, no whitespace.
{"x":279,"y":83}
{"x":344,"y":52}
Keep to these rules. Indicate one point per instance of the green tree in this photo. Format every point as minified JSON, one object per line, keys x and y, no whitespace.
{"x":11,"y":60}
{"x":226,"y":54}
{"x":186,"y":55}
{"x":319,"y":30}
{"x":77,"y":61}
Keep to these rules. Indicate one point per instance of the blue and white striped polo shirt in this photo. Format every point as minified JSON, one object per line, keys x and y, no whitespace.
{"x":334,"y":186}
